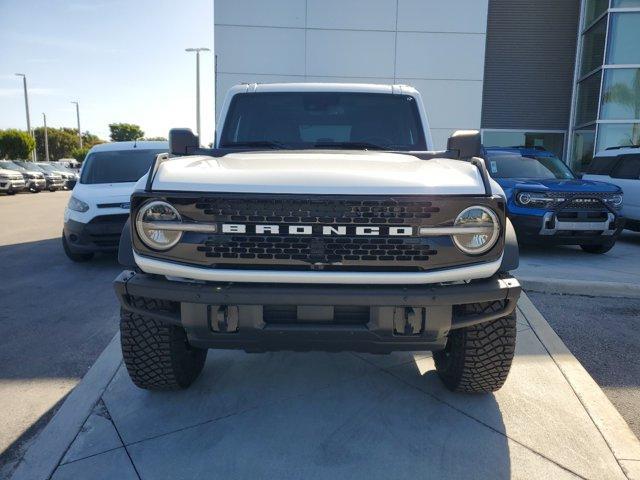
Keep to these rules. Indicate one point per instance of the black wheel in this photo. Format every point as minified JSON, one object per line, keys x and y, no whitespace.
{"x":11,"y":192}
{"x":601,"y":248}
{"x":158,"y":356}
{"x":76,"y":257}
{"x":477,"y":359}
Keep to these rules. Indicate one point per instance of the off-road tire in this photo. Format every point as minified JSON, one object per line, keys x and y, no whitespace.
{"x":477,"y":359}
{"x":73,"y":256}
{"x":598,"y":249}
{"x":158,"y":355}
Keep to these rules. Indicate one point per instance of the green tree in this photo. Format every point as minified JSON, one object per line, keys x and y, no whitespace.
{"x":89,"y":140}
{"x":80,"y":153}
{"x":122,"y":132}
{"x":62,"y":142}
{"x":15,"y":144}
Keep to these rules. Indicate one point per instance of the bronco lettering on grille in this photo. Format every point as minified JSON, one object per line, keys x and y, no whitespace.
{"x":324,"y":230}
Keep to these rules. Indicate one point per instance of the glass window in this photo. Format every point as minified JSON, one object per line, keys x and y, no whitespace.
{"x":621,"y":94}
{"x":512,"y":165}
{"x":628,"y":167}
{"x":624,"y":38}
{"x":583,"y":143}
{"x":550,"y":141}
{"x":601,"y":165}
{"x":593,"y":47}
{"x":324,"y":120}
{"x":618,"y":135}
{"x":121,"y":166}
{"x":625,"y":3}
{"x":593,"y":9}
{"x":587,"y":99}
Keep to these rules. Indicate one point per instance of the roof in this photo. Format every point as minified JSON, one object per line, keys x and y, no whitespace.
{"x":323,"y":87}
{"x":138,"y":145}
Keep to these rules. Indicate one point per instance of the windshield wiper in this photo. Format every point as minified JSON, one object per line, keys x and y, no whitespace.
{"x":351,"y":145}
{"x":259,"y":144}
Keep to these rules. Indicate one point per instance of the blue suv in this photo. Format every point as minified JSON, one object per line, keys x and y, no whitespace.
{"x":548,"y":204}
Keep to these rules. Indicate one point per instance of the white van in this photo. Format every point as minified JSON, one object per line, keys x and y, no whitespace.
{"x":99,"y":205}
{"x":620,"y":166}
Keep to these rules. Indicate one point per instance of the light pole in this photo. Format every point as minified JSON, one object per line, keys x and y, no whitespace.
{"x":26,"y":108}
{"x":198,"y":50}
{"x":46,"y":137}
{"x":78,"y":117}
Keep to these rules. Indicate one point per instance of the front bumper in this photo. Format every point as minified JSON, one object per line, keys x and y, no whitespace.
{"x":369,"y":318}
{"x":13,"y":185}
{"x":36,"y":184}
{"x":101,"y":234}
{"x":54,"y":183}
{"x":549,"y":229}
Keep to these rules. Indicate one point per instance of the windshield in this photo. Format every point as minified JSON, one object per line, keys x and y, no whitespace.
{"x":11,"y":166}
{"x":513,"y":165}
{"x":323,"y":120}
{"x":30,"y":166}
{"x":49,"y":168}
{"x":117,"y":166}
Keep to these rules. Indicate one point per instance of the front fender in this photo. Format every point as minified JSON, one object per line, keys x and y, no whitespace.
{"x":125,"y":248}
{"x":511,"y":256}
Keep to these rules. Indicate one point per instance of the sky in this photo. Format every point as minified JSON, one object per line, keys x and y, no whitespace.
{"x":123,"y":61}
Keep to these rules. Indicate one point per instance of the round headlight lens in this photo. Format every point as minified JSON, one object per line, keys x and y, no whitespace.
{"x":157,"y":212}
{"x":524,"y":198}
{"x":616,"y":200}
{"x":484,"y":230}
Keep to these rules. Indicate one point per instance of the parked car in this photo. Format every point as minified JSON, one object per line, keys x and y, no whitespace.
{"x":548,"y":204}
{"x":620,"y":166}
{"x":69,"y":178}
{"x":33,"y":179}
{"x":322,"y":221}
{"x":54,"y":181}
{"x":99,"y":205}
{"x":11,"y":182}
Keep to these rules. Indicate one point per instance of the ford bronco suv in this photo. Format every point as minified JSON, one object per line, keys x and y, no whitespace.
{"x":322,"y":219}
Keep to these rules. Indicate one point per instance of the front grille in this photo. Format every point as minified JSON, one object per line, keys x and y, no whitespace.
{"x":337,"y":237}
{"x":582,"y":200}
{"x":105,"y":230}
{"x":321,"y":250}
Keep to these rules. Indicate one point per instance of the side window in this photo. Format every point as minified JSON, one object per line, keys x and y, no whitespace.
{"x":628,"y":167}
{"x":601,"y":165}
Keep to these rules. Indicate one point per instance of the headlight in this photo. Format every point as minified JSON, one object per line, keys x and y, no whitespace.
{"x":616,"y":200}
{"x":77,"y":205}
{"x":153,"y":214}
{"x":537,"y":199}
{"x":483,"y":227}
{"x":4,"y":177}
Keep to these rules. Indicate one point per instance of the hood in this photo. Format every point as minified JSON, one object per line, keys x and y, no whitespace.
{"x":10,"y":173}
{"x":557,"y":185}
{"x":103,"y":192}
{"x":319,"y":172}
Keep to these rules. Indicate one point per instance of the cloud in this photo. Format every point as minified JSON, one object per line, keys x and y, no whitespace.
{"x":14,"y":92}
{"x":56,"y":42}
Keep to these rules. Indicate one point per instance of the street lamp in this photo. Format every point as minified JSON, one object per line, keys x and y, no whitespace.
{"x":46,"y":137}
{"x":78,"y":117}
{"x":198,"y":50}
{"x":26,"y":108}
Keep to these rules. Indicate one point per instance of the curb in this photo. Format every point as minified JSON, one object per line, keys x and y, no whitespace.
{"x":44,"y":454}
{"x":621,"y":440}
{"x":579,"y":287}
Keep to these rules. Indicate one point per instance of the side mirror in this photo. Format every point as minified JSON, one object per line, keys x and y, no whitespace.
{"x":468,"y":143}
{"x":182,"y":141}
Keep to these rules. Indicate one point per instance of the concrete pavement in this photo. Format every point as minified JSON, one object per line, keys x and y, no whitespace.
{"x":321,"y":415}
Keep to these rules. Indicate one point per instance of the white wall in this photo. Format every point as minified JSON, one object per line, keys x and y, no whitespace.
{"x":435,"y":45}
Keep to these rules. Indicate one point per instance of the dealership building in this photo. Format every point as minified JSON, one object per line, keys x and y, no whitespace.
{"x":559,"y":74}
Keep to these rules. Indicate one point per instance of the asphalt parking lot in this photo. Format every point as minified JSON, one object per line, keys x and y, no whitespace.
{"x":56,"y":317}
